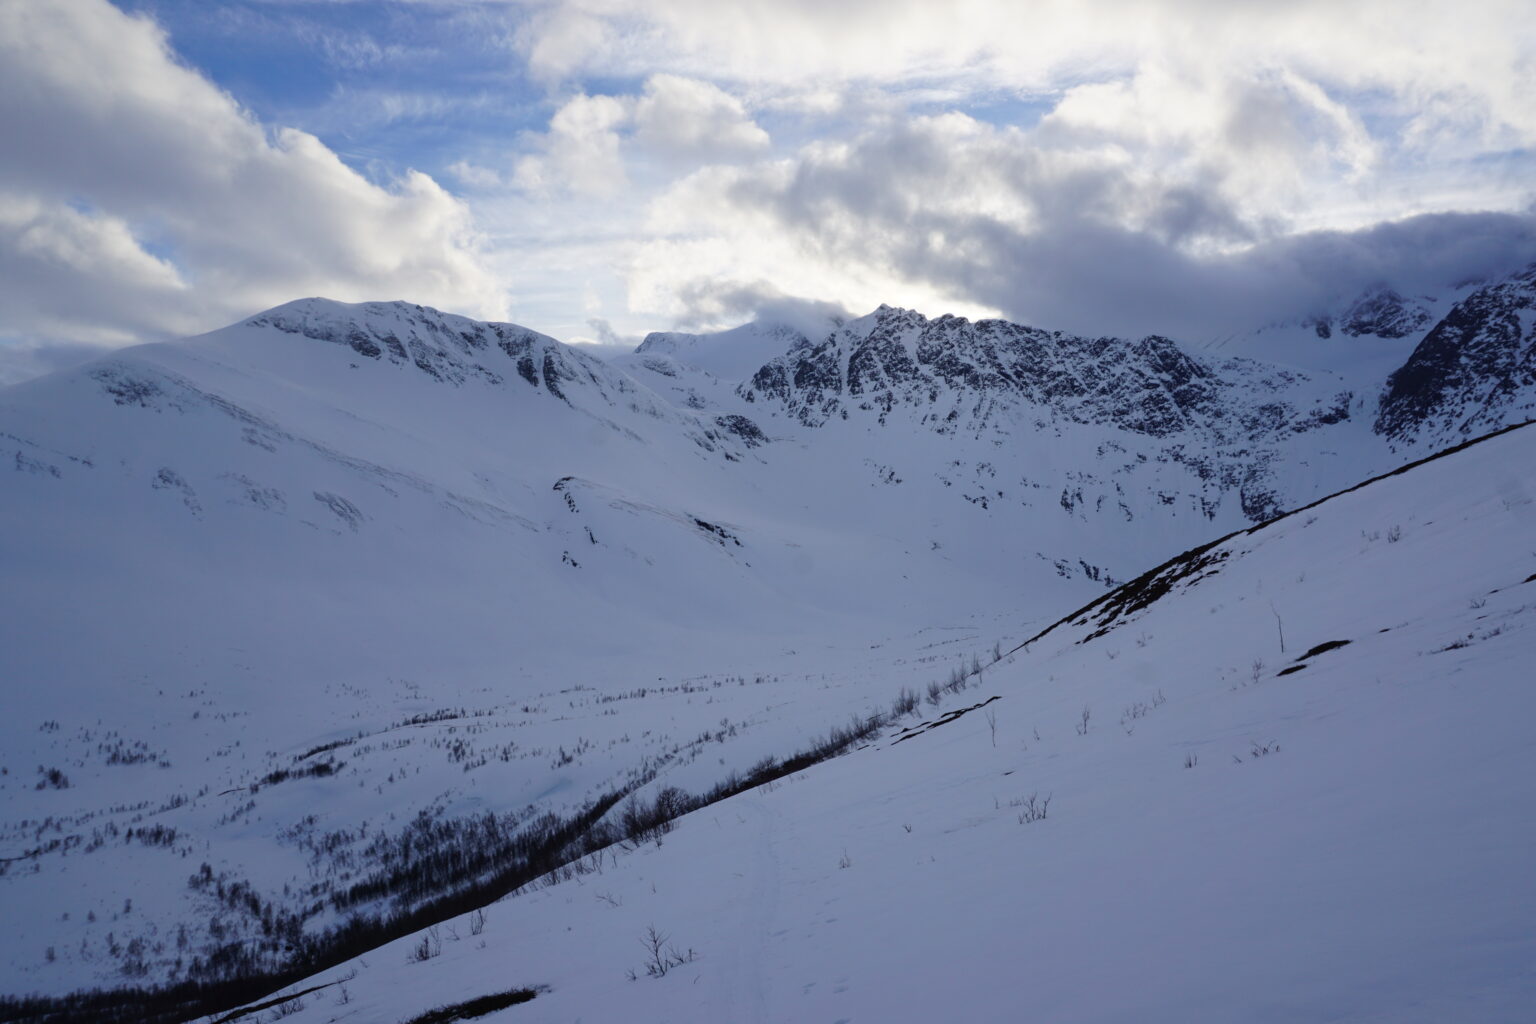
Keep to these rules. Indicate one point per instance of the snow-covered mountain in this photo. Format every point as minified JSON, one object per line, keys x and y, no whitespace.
{"x":299,"y":604}
{"x":1278,"y":777}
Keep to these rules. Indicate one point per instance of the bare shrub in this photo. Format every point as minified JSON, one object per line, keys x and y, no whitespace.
{"x":661,"y":956}
{"x":288,"y":1008}
{"x":1032,"y":808}
{"x":428,"y":946}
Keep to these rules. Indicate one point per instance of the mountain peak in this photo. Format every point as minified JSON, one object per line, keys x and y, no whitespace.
{"x":446,"y":346}
{"x":1383,"y":312}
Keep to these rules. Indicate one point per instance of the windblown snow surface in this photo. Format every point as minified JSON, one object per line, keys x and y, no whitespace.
{"x":1333,"y":827}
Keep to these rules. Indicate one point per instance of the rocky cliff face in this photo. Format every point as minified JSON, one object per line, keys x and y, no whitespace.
{"x":1381,"y":312}
{"x":956,"y":375}
{"x":1474,"y":372}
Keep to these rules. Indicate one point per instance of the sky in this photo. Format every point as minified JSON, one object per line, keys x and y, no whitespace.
{"x":596,"y":169}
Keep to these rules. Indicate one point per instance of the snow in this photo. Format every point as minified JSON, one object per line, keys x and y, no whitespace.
{"x":502,"y":576}
{"x":1373,"y":866}
{"x":732,"y":355}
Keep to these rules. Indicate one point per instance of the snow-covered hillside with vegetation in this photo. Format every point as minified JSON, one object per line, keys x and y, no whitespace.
{"x":1281,"y":778}
{"x":344,"y":620}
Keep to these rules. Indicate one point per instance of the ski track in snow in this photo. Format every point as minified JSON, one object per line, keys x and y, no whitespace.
{"x":742,"y":983}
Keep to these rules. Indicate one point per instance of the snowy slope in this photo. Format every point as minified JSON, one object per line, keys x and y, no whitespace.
{"x":287,"y":597}
{"x":447,"y":556}
{"x":1238,"y":828}
{"x":733,"y":355}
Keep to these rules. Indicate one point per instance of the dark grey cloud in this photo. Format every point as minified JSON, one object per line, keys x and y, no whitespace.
{"x":713,"y":302}
{"x":1101,"y":279}
{"x":1092,"y":247}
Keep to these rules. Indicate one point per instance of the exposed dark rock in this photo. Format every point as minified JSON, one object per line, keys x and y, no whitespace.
{"x":1475,"y":371}
{"x":960,"y":375}
{"x":1323,"y":648}
{"x":1384,"y":313}
{"x":127,"y":389}
{"x":743,"y":429}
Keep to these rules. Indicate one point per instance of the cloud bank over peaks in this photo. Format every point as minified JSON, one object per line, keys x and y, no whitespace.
{"x":1107,"y":165}
{"x":1092,"y":221}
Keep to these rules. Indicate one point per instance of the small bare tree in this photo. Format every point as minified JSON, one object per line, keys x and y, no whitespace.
{"x":1082,"y":725}
{"x":661,"y":957}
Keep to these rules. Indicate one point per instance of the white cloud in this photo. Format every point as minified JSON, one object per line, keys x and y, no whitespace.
{"x":685,"y":117}
{"x":559,"y":37}
{"x":672,"y":120}
{"x":1266,"y":138}
{"x":474,"y":175}
{"x":146,"y":201}
{"x":64,"y":273}
{"x":1460,"y":73}
{"x":580,"y":152}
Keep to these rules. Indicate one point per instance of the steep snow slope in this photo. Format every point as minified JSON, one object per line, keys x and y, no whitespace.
{"x":1286,"y":780}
